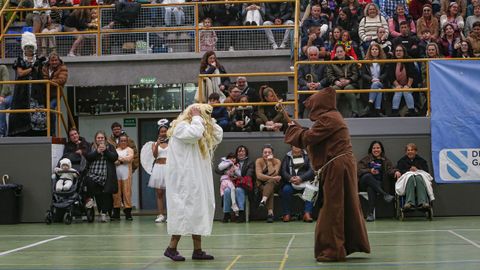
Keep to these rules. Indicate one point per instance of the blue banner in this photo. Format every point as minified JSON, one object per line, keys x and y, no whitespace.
{"x":455,"y":121}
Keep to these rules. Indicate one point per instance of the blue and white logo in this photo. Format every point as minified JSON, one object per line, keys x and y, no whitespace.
{"x":460,"y":164}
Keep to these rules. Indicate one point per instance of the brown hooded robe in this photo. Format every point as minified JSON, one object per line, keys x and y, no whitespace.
{"x":340,"y":228}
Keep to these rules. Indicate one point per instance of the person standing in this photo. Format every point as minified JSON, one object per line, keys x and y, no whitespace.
{"x":340,"y":228}
{"x":193,"y":137}
{"x":124,"y":177}
{"x":114,"y":139}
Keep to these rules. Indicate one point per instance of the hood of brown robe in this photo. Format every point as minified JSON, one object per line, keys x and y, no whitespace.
{"x":328,"y":136}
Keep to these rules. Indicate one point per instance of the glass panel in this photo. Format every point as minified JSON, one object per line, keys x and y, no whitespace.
{"x":189,"y":90}
{"x":146,"y":98}
{"x":90,"y":100}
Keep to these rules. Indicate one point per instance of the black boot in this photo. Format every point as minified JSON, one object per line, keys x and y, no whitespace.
{"x":226,"y":217}
{"x":128,"y":213}
{"x":241,"y":217}
{"x":115,"y":215}
{"x":368,"y":110}
{"x":411,"y":112}
{"x":394,"y":113}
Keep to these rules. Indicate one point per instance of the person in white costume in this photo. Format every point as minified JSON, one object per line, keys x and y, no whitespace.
{"x":193,"y":137}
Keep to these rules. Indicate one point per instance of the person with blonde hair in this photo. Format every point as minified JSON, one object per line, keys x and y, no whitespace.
{"x":193,"y":137}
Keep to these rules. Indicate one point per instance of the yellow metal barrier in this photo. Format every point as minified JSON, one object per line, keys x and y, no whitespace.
{"x":48,"y":110}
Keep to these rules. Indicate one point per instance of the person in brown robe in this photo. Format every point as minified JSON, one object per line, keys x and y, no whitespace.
{"x":340,"y":228}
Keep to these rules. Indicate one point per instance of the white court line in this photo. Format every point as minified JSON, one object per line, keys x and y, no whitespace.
{"x":464,"y":238}
{"x":32,"y":245}
{"x":223,"y":235}
{"x":285,"y":255}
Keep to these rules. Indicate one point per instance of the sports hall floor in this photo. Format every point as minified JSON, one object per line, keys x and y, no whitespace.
{"x":444,"y":243}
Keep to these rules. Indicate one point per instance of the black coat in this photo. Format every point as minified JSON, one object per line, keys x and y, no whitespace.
{"x":404,"y":164}
{"x":319,"y":75}
{"x":305,"y":172}
{"x":367,"y":76}
{"x":282,"y":11}
{"x":110,"y":154}
{"x":71,"y":147}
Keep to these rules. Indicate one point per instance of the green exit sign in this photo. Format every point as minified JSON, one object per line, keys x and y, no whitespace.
{"x":148,"y":80}
{"x":129,"y":122}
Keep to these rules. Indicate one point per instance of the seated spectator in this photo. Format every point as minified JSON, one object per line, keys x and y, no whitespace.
{"x":52,"y":25}
{"x":414,"y":180}
{"x":219,"y":112}
{"x":474,"y":38}
{"x":431,"y":51}
{"x":472,"y":19}
{"x":425,"y":39}
{"x":428,"y":21}
{"x":445,"y":6}
{"x":449,"y":42}
{"x":354,"y":7}
{"x":349,"y":45}
{"x":348,"y":22}
{"x":344,"y":76}
{"x":227,"y":15}
{"x":77,"y":21}
{"x":247,"y":90}
{"x":296,"y":171}
{"x":334,"y":37}
{"x":464,"y":50}
{"x":396,"y":19}
{"x":374,"y":76}
{"x":310,"y":77}
{"x":278,"y":14}
{"x":267,"y":170}
{"x":471,"y":6}
{"x":233,"y":97}
{"x":208,"y":38}
{"x":401,"y":75}
{"x":374,"y":173}
{"x":252,"y":13}
{"x":388,"y":7}
{"x":268,"y":118}
{"x":415,"y":8}
{"x":453,"y":17}
{"x":210,"y":65}
{"x":242,"y":117}
{"x":385,"y":44}
{"x":247,"y":168}
{"x":230,"y":171}
{"x":177,"y":12}
{"x":408,"y":40}
{"x":313,"y":39}
{"x":60,"y":13}
{"x":316,"y":18}
{"x":40,"y":17}
{"x":367,"y":28}
{"x":5,"y":99}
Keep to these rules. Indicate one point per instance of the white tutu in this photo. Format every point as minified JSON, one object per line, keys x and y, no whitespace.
{"x":157,"y":178}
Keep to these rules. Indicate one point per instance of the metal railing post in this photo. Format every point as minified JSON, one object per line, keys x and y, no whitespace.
{"x":48,"y":109}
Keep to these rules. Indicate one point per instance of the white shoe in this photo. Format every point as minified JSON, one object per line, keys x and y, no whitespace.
{"x":90,"y":203}
{"x":274,"y":46}
{"x":283,"y":46}
{"x":235,"y":208}
{"x":231,"y":49}
{"x":262,"y":127}
{"x":70,"y":54}
{"x":103,"y":217}
{"x":161,"y":219}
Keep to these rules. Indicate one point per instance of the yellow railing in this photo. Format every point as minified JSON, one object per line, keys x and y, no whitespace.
{"x":48,"y":109}
{"x":196,"y":28}
{"x":296,"y":91}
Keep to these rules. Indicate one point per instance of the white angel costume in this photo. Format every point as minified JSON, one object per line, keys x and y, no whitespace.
{"x":189,"y":180}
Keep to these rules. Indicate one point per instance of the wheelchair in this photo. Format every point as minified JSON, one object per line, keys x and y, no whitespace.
{"x":400,"y":212}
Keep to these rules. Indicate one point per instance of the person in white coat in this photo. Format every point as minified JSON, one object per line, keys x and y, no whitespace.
{"x":193,"y":137}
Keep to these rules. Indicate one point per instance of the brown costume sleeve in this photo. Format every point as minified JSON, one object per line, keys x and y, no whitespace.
{"x":299,"y":137}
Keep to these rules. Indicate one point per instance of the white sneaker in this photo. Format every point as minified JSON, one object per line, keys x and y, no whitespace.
{"x":70,"y":54}
{"x":103,"y":217}
{"x":262,"y":127}
{"x":283,"y":46}
{"x":231,"y":49}
{"x":235,"y":208}
{"x":90,"y":203}
{"x":161,"y":219}
{"x":274,"y":46}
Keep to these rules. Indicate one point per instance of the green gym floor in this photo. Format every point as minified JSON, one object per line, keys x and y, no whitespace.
{"x":444,"y":243}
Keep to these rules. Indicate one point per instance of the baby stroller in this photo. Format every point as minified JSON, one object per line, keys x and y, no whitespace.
{"x":70,"y":203}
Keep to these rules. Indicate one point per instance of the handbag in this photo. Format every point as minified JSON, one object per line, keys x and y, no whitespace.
{"x":245,"y":182}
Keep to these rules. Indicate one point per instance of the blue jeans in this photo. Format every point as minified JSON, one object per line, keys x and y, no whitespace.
{"x":287,"y":194}
{"x":397,"y":97}
{"x":376,"y":98}
{"x":6,"y":104}
{"x":227,"y":199}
